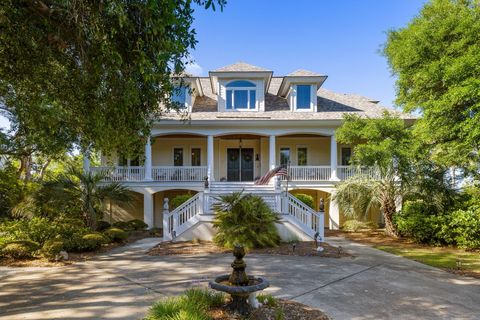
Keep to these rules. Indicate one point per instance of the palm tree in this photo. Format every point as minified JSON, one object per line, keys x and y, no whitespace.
{"x":85,"y":192}
{"x":356,"y":195}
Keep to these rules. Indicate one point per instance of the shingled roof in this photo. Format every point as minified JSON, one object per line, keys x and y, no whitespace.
{"x":304,"y":73}
{"x":241,"y":67}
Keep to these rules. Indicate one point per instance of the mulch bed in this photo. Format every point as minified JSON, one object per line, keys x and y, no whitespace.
{"x":289,"y":309}
{"x":302,"y":248}
{"x":72,"y":256}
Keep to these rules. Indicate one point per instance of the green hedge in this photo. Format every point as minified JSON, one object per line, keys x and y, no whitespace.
{"x":116,"y":234}
{"x":459,"y":227}
{"x":305,"y":198}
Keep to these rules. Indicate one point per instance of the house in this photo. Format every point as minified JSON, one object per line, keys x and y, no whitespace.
{"x":244,"y":121}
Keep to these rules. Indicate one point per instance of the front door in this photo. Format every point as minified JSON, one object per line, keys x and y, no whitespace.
{"x":240,"y":164}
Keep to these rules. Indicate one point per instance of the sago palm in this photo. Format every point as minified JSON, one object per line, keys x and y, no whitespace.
{"x":245,"y":219}
{"x":83,"y":192}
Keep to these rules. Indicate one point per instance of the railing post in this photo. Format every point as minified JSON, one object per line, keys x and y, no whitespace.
{"x":201,"y":197}
{"x":210,"y":153}
{"x":166,"y":215}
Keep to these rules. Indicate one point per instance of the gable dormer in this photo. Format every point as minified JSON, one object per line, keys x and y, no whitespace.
{"x":240,"y":87}
{"x":300,"y":90}
{"x":187,"y":88}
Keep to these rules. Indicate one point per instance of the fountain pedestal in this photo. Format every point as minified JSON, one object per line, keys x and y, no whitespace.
{"x":238,"y":284}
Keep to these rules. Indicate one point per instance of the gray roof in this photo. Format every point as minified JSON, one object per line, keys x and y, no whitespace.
{"x":304,"y":73}
{"x":241,"y":67}
{"x":330,"y":105}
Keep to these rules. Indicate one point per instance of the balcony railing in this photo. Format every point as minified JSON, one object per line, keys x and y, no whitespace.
{"x":345,"y":172}
{"x":170,"y":173}
{"x":115,"y":174}
{"x":309,"y":173}
{"x":179,"y":173}
{"x":158,"y":173}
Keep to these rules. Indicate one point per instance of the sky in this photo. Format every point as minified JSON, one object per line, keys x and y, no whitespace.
{"x":341,"y":39}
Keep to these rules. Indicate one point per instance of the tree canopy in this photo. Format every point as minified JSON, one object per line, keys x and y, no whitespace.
{"x":89,"y":72}
{"x":436,"y":59}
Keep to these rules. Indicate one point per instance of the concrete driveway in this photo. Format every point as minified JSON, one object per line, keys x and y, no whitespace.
{"x":125,"y":282}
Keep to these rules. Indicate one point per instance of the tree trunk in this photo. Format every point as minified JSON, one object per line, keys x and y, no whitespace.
{"x":44,"y":169}
{"x":389,"y":210}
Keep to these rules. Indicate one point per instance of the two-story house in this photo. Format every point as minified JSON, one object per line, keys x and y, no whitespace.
{"x":244,"y":121}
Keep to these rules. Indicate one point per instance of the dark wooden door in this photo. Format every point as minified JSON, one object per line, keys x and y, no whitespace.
{"x":240,"y":164}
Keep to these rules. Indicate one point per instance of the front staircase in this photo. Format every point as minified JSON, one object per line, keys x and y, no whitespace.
{"x":300,"y":217}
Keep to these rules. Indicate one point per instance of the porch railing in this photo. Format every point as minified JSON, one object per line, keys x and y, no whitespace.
{"x":309,"y":173}
{"x":345,"y":172}
{"x":115,"y":174}
{"x":179,"y":173}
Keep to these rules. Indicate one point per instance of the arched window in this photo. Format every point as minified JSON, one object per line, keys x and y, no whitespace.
{"x":241,"y":94}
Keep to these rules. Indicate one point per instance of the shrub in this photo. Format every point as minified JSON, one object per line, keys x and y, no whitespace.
{"x":124,"y":225}
{"x":137,"y":225}
{"x":21,"y":249}
{"x":92,"y":241}
{"x":415,"y":222}
{"x":245,"y":219}
{"x":305,"y":198}
{"x":193,"y":305}
{"x":177,"y":201}
{"x":462,"y":228}
{"x":51,"y":249}
{"x":116,"y":234}
{"x":267,"y":299}
{"x":103,"y":225}
{"x":356,"y":225}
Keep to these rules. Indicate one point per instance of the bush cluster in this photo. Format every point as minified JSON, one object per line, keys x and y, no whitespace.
{"x":459,"y":227}
{"x":131,"y":225}
{"x":26,"y":238}
{"x":305,"y":198}
{"x":179,"y":200}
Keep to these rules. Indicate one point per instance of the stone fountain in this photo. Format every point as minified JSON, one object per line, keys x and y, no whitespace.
{"x":238,"y":284}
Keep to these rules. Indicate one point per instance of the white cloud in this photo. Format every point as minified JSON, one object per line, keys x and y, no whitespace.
{"x":194,"y":69}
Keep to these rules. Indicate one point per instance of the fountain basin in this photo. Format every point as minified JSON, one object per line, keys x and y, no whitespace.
{"x":221,"y":283}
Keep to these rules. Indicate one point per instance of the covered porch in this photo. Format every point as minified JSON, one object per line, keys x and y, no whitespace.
{"x":232,"y":157}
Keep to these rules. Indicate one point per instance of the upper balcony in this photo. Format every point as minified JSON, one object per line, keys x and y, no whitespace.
{"x":233,"y":157}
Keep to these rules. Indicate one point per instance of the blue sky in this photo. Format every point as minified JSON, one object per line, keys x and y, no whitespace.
{"x":341,"y":39}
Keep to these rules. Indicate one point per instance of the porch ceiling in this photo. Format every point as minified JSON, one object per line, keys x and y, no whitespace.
{"x":240,"y":136}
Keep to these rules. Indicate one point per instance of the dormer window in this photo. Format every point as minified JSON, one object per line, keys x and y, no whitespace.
{"x":241,"y":94}
{"x":304,"y":100}
{"x":179,"y":95}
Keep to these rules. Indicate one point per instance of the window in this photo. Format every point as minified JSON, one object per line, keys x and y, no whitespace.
{"x":122,"y":161}
{"x":135,"y":162}
{"x":178,"y":157}
{"x":196,"y":157}
{"x":346,"y":156}
{"x":179,"y":95}
{"x":284,"y":156}
{"x":302,"y":156}
{"x":303,"y":96}
{"x":241,"y":94}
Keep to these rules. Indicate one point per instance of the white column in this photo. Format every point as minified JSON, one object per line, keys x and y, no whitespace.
{"x":86,"y":161}
{"x":271,"y":155}
{"x":334,"y":214}
{"x":210,"y":158}
{"x":148,"y":209}
{"x":148,"y":160}
{"x":333,"y":158}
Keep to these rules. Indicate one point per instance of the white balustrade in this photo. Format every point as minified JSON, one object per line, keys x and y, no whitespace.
{"x":116,"y":174}
{"x":309,"y":173}
{"x":183,"y":173}
{"x":308,"y":219}
{"x":345,"y":172}
{"x":178,"y":219}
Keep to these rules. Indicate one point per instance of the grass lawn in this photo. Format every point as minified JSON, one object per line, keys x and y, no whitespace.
{"x":448,"y":258}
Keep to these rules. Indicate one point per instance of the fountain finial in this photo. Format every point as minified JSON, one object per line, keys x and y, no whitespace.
{"x":239,"y":276}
